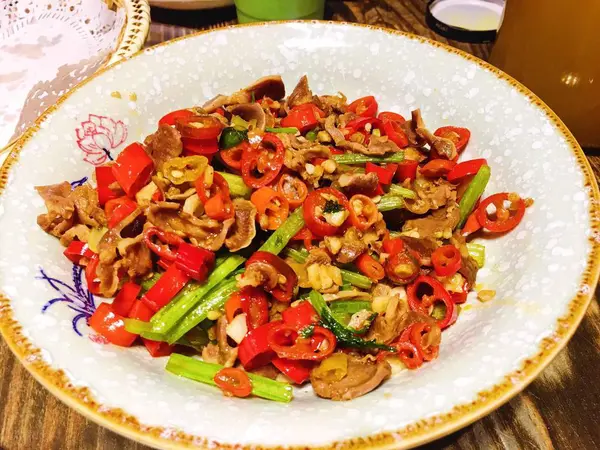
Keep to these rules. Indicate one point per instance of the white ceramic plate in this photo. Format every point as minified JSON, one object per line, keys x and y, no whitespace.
{"x":191,"y":4}
{"x":544,"y":272}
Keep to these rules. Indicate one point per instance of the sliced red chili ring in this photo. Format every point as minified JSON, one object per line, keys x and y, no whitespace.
{"x":393,"y":246}
{"x":359,"y":123}
{"x":233,"y":382}
{"x":407,"y":170}
{"x":446,"y":260}
{"x":288,"y":344}
{"x":316,"y":203}
{"x":293,"y":189}
{"x":504,"y":219}
{"x":272,"y":206}
{"x":394,"y":132}
{"x":232,"y":157}
{"x":363,"y":212}
{"x":409,"y":354}
{"x":385,"y":174}
{"x":425,"y":292}
{"x":402,"y":267}
{"x":417,"y":332}
{"x":200,"y":146}
{"x":391,"y":116}
{"x":256,"y":306}
{"x":465,"y":169}
{"x":460,"y":136}
{"x":165,"y":252}
{"x":369,"y":267}
{"x":300,"y":315}
{"x":118,"y":209}
{"x":437,"y":168}
{"x":472,"y":224}
{"x":199,"y":127}
{"x":211,"y":183}
{"x":261,"y":166}
{"x":364,"y":106}
{"x":171,"y":118}
{"x":284,"y":289}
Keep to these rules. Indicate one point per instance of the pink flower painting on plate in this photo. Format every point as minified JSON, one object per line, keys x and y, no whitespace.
{"x":98,"y":136}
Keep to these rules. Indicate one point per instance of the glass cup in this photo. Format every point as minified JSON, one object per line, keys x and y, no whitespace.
{"x":264,"y":10}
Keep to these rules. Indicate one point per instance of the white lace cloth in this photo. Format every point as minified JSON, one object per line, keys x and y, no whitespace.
{"x":46,"y":47}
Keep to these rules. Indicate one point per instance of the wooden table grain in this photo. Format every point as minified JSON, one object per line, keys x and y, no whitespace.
{"x":560,"y":410}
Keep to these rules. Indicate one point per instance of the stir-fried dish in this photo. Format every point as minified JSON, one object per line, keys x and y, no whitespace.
{"x":283,"y":240}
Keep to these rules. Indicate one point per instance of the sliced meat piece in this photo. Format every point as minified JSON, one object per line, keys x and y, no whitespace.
{"x":361,"y":378}
{"x":317,"y":256}
{"x":137,"y":258}
{"x":270,"y":86}
{"x":439,"y":225}
{"x":347,"y":247}
{"x":203,"y":232}
{"x":163,"y":145}
{"x":296,"y":159}
{"x":243,"y":230}
{"x":259,"y":273}
{"x":332,"y":103}
{"x":107,"y":270}
{"x":380,"y":145}
{"x":301,"y":94}
{"x":221,"y":352}
{"x":60,"y":208}
{"x":355,"y":147}
{"x":423,"y":246}
{"x":431,"y":194}
{"x":469,"y":267}
{"x":79,"y":232}
{"x":329,"y":125}
{"x":249,"y":112}
{"x":358,"y":183}
{"x":87,"y":207}
{"x":444,"y":147}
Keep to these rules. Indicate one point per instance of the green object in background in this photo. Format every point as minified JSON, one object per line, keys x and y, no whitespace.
{"x":264,"y":10}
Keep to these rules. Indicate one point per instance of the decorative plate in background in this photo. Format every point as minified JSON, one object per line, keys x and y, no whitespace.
{"x":47,"y":47}
{"x":544,"y":272}
{"x":191,"y":4}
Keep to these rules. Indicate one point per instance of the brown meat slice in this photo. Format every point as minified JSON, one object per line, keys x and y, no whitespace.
{"x":202,"y":232}
{"x":249,"y":112}
{"x":221,"y":352}
{"x":301,"y":93}
{"x":296,"y":159}
{"x":163,"y":145}
{"x":270,"y":86}
{"x":444,"y":147}
{"x":137,"y":258}
{"x":423,"y":246}
{"x":358,"y":183}
{"x":259,"y":273}
{"x":380,"y":145}
{"x":347,"y":247}
{"x":431,"y":194}
{"x":361,"y":378}
{"x":86,"y":204}
{"x":79,"y":232}
{"x":438,"y":225}
{"x":469,"y":267}
{"x":243,"y":230}
{"x":330,"y":104}
{"x":60,"y":208}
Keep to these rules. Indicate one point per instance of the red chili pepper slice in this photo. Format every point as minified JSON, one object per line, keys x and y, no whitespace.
{"x":424,"y":292}
{"x":392,"y":116}
{"x":415,"y":335}
{"x":232,"y":157}
{"x":261,"y":166}
{"x":219,"y":207}
{"x":254,"y":303}
{"x":199,"y":127}
{"x":407,"y":169}
{"x":465,"y":169}
{"x":364,"y":106}
{"x":446,"y":260}
{"x":359,"y":123}
{"x":305,"y":117}
{"x":409,"y":354}
{"x":213,"y":192}
{"x":393,"y":246}
{"x":91,"y":278}
{"x":141,"y":311}
{"x":288,"y":344}
{"x":437,"y":168}
{"x":317,"y":200}
{"x":293,"y":189}
{"x":472,"y":224}
{"x":111,"y":326}
{"x":460,"y":136}
{"x":167,"y":286}
{"x":284,"y":289}
{"x":363,"y":212}
{"x":118,"y":209}
{"x":171,"y":118}
{"x":384,"y":174}
{"x":304,"y":235}
{"x":460,"y":297}
{"x":504,"y":219}
{"x":204,"y":147}
{"x":133,"y":168}
{"x":196,"y":262}
{"x":104,"y":179}
{"x":272,"y":206}
{"x":254,"y":350}
{"x":369,"y":267}
{"x":300,"y":315}
{"x":126,"y":298}
{"x":297,"y":370}
{"x":395,"y":133}
{"x":233,"y":382}
{"x":78,"y":250}
{"x":167,"y":238}
{"x":402,"y":267}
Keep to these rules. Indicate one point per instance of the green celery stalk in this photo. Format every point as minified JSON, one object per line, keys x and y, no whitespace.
{"x":137,"y":326}
{"x":389,"y":202}
{"x":280,"y":238}
{"x":213,"y":301}
{"x":357,"y":158}
{"x":285,"y":130}
{"x":356,"y":279}
{"x":402,"y":191}
{"x":168,"y":317}
{"x":147,"y":284}
{"x":237,"y":187}
{"x":395,"y":234}
{"x":297,"y":255}
{"x":474,"y":191}
{"x":349,"y":306}
{"x":204,"y":372}
{"x":477,"y":252}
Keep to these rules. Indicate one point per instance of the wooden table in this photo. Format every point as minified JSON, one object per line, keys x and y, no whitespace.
{"x":561,"y":409}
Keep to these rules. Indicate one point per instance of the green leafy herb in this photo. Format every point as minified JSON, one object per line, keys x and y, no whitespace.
{"x":307,"y":331}
{"x":331,"y":206}
{"x":230,"y":137}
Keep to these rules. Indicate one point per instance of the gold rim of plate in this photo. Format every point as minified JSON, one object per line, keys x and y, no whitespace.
{"x":82,"y":400}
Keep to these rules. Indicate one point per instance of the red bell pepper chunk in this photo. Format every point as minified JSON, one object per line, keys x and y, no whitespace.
{"x":465,"y":168}
{"x":254,"y":350}
{"x":196,"y":262}
{"x":104,"y":178}
{"x":133,"y":168}
{"x":472,"y":225}
{"x":407,"y":170}
{"x":141,"y":311}
{"x":107,"y":323}
{"x":200,"y":146}
{"x":304,"y":117}
{"x":393,"y":246}
{"x":385,"y":174}
{"x":91,"y":278}
{"x":118,"y":209}
{"x":173,"y":116}
{"x":77,"y":250}
{"x":300,"y":316}
{"x":296,"y":370}
{"x":126,"y":298}
{"x":167,"y":286}
{"x":157,"y":348}
{"x":364,"y":106}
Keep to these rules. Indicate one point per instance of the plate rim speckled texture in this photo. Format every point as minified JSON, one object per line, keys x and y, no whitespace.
{"x":81,"y":399}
